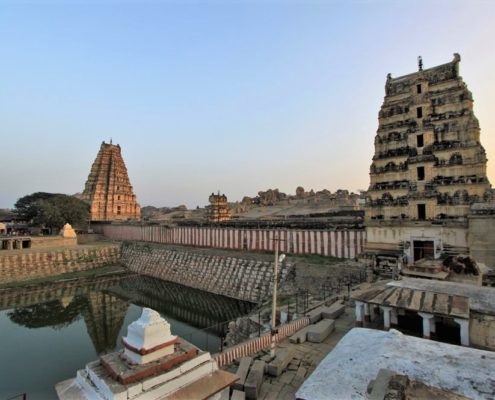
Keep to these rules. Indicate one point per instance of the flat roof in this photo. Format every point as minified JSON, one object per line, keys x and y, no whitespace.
{"x":481,"y":298}
{"x":416,"y":300}
{"x":346,"y":371}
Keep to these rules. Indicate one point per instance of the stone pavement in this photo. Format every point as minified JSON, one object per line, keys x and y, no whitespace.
{"x":306,"y":358}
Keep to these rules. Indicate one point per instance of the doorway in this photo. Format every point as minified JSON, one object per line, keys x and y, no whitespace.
{"x":423,"y":249}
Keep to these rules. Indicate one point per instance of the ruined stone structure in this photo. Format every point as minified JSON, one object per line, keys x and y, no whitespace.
{"x":108,"y":188}
{"x":429,"y":166}
{"x":218,"y":210}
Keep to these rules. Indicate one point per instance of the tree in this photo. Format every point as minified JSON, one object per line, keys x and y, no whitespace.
{"x":52,"y":210}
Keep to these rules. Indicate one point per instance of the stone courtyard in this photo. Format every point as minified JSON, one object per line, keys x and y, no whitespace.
{"x":305,"y":359}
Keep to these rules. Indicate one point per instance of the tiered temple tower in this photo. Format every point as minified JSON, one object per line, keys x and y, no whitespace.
{"x":108,"y":188}
{"x":429,"y":166}
{"x":218,"y":210}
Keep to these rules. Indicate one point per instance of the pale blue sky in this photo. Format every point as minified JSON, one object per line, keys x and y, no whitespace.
{"x":239,"y":96}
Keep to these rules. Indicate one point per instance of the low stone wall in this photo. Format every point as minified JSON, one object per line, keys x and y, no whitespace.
{"x":43,"y":242}
{"x":264,"y":341}
{"x":33,"y":265}
{"x":239,"y":278}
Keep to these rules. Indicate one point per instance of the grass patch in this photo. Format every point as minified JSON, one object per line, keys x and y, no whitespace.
{"x":317,"y":259}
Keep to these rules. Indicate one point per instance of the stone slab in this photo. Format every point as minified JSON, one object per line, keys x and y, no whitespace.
{"x":380,"y":385}
{"x":314,"y":315}
{"x":204,"y":387}
{"x":282,"y":359}
{"x":242,"y":372}
{"x":333,"y":312}
{"x":300,"y":335}
{"x":319,"y":332}
{"x":254,"y":380}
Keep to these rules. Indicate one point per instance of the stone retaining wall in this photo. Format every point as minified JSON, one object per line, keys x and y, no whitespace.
{"x":334,"y":243}
{"x":252,"y":346}
{"x":242,"y":279}
{"x":26,"y":265}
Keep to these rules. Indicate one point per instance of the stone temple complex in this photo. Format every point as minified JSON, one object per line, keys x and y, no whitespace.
{"x":428,"y":171}
{"x":218,"y":210}
{"x":108,"y":188}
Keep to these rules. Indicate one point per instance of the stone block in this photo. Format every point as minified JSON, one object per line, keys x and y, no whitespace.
{"x":314,"y":315}
{"x":300,"y":335}
{"x":282,"y":359}
{"x":319,"y":332}
{"x":254,"y":380}
{"x":334,"y":311}
{"x":242,"y":372}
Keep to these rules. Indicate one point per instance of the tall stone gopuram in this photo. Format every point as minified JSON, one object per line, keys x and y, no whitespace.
{"x":108,"y":188}
{"x":428,"y":170}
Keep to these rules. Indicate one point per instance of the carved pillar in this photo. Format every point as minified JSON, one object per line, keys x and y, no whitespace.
{"x":427,"y":318}
{"x":386,"y":317}
{"x":359,"y":313}
{"x":464,"y":324}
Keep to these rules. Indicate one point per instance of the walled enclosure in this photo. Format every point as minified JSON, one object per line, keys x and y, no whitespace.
{"x":24,"y":266}
{"x":334,"y":243}
{"x":242,"y":279}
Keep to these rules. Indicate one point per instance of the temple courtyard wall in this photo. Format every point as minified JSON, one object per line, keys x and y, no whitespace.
{"x":334,"y":243}
{"x":235,"y":277}
{"x":25,"y":265}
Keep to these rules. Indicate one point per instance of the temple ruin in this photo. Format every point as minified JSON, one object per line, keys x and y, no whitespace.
{"x":428,"y":170}
{"x":108,"y":188}
{"x":218,"y":210}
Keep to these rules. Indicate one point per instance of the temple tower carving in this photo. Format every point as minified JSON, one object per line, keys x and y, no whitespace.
{"x":218,"y":210}
{"x":108,"y":188}
{"x":429,"y":166}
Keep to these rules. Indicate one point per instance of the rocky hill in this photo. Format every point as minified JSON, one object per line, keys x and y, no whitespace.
{"x":270,"y":205}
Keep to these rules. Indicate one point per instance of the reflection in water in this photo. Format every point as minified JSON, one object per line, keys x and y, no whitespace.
{"x":52,"y":313}
{"x":103,"y":316}
{"x":59,"y":327}
{"x":195,"y":307}
{"x":103,"y":305}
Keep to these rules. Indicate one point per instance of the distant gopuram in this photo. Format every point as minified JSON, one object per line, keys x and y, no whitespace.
{"x":218,"y":210}
{"x":108,"y":188}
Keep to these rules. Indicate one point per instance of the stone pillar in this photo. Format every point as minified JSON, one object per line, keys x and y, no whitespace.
{"x":386,"y":317}
{"x":10,"y":244}
{"x":367,"y":317}
{"x":359,"y":313}
{"x":394,"y":320}
{"x":426,"y":324}
{"x":464,"y":324}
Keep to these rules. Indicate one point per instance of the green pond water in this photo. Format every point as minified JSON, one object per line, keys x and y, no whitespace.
{"x":49,"y":331}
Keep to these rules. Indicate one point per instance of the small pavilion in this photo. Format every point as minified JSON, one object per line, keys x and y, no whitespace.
{"x":442,"y":309}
